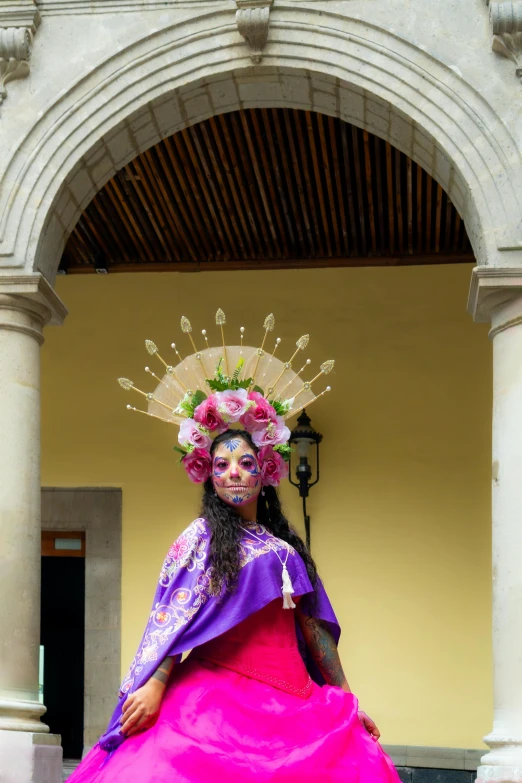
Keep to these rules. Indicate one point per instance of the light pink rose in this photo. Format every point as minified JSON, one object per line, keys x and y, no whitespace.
{"x":275,"y":434}
{"x":190,"y":434}
{"x":208,"y":416}
{"x":232,"y":404}
{"x":272,"y":465}
{"x":198,"y":465}
{"x":259,"y":415}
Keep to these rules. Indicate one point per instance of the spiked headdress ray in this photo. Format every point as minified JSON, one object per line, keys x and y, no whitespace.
{"x":215,"y":387}
{"x":223,"y":367}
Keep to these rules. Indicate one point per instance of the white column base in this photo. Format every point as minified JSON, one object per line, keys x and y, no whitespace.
{"x":503,"y":763}
{"x":499,"y":775}
{"x":30,"y":758}
{"x":22,"y":715}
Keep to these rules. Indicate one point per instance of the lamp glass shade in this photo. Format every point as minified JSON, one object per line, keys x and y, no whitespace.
{"x":302,"y":446}
{"x":304,"y":435}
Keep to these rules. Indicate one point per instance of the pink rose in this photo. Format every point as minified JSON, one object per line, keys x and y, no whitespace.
{"x":275,"y":434}
{"x":190,"y":433}
{"x":232,"y":404}
{"x":259,"y":415}
{"x":198,"y":465}
{"x":208,"y":416}
{"x":273,"y":467}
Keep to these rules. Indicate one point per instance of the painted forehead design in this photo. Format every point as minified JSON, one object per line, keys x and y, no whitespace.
{"x":236,"y":447}
{"x":245,"y":455}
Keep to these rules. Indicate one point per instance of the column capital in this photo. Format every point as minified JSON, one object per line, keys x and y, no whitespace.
{"x":38,"y":295}
{"x":492,"y":287}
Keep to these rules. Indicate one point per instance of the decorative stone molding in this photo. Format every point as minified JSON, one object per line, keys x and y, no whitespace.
{"x":35,"y":288}
{"x":18,"y":24}
{"x":458,"y":122}
{"x":506,"y":20}
{"x":492,"y":287}
{"x":72,"y":7}
{"x":253,"y":20}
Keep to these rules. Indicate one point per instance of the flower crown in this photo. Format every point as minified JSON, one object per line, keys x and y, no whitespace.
{"x":207,"y":404}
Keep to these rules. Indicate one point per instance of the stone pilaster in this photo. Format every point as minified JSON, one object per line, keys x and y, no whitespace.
{"x":27,"y":751}
{"x":497,"y":294}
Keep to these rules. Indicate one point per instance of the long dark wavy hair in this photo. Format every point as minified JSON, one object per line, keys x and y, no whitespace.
{"x":226,"y":531}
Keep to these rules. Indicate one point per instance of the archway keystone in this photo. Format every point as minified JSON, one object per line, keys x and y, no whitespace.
{"x":253,"y":20}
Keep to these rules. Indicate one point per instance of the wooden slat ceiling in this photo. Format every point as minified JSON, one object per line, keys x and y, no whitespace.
{"x":267,"y":188}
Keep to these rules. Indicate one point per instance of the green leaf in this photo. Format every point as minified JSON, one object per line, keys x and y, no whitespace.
{"x":257,"y":388}
{"x":284,"y":450}
{"x":238,"y":369}
{"x":219,"y":374}
{"x":185,"y":406}
{"x":217,"y":385}
{"x":285,"y":406}
{"x":198,"y":398}
{"x":226,"y":384}
{"x":182,"y":454}
{"x":278,"y":407}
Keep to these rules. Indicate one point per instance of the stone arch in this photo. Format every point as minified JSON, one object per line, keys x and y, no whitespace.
{"x":315,"y":60}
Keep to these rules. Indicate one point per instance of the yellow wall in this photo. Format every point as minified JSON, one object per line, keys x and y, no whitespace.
{"x":401,"y":516}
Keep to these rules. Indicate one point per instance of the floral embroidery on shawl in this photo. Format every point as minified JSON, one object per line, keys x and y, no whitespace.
{"x":187,"y":556}
{"x":251,"y":548}
{"x":188,"y":551}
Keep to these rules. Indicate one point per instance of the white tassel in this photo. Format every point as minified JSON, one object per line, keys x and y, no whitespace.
{"x":287,"y":589}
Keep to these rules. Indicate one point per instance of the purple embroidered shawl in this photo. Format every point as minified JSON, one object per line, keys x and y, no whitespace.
{"x":184,"y":614}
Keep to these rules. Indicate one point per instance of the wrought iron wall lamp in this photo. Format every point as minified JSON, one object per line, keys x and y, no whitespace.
{"x":304,"y":437}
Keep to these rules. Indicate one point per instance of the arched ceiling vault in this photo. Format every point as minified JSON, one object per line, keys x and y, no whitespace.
{"x":267,"y":188}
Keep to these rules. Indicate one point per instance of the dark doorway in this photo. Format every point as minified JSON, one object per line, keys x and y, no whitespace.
{"x":63,"y":637}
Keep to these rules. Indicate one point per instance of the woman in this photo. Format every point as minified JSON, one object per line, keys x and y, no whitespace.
{"x":262,"y":695}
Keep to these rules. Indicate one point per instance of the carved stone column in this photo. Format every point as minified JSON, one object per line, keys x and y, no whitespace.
{"x":506,"y":19}
{"x":18,"y":23}
{"x":253,"y":21}
{"x":27,"y":751}
{"x":496,"y":295}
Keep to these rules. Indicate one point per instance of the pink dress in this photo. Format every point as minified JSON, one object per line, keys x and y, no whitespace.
{"x":243,"y":708}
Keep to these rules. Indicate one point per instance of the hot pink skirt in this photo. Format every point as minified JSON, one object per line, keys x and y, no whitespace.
{"x":217,"y":725}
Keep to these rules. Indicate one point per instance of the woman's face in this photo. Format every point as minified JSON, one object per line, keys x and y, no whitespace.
{"x":235,"y":473}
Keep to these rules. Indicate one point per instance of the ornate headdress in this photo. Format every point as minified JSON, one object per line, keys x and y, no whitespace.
{"x":238,"y":385}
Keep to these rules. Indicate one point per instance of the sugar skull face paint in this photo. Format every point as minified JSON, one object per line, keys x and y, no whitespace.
{"x":235,"y":473}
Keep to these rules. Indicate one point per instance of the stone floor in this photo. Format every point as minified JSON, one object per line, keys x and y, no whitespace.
{"x":406,"y":774}
{"x":69,"y":765}
{"x":421,"y":775}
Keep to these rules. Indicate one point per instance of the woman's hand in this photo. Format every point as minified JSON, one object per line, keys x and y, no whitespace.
{"x":369,"y":725}
{"x":141,"y":709}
